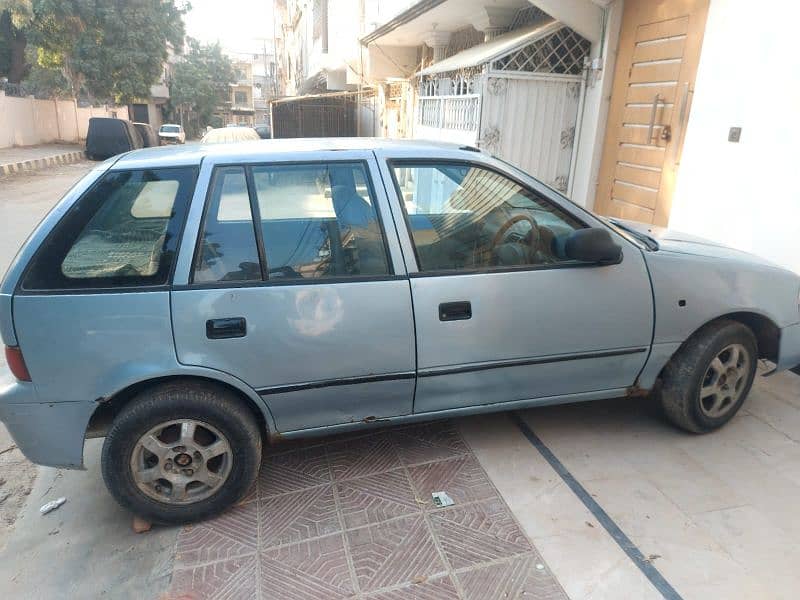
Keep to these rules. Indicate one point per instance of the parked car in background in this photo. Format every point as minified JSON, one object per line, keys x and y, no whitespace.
{"x":213,"y":300}
{"x":224,"y":135}
{"x":263,"y":131}
{"x":170,"y":133}
{"x":108,"y":137}
{"x":148,"y":134}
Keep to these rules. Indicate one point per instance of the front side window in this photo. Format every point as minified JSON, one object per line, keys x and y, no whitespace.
{"x":319,"y":220}
{"x":466,"y":217}
{"x":122,"y":232}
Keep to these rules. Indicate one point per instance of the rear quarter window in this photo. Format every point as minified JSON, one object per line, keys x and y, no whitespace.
{"x":122,"y":232}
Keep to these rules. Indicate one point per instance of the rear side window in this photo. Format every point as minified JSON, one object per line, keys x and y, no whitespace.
{"x":314,"y":221}
{"x":319,"y":221}
{"x":227,"y":250}
{"x":123,"y":232}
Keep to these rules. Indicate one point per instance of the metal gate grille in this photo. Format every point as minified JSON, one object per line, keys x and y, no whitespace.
{"x":561,"y":52}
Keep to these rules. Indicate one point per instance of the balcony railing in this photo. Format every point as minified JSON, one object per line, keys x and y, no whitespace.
{"x":461,"y":113}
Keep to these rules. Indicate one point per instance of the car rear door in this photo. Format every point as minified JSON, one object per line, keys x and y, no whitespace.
{"x":295,"y":286}
{"x":499,"y":318}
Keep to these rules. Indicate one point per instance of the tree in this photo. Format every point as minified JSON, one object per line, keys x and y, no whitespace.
{"x":200,"y":83}
{"x":110,"y":48}
{"x":15,"y":16}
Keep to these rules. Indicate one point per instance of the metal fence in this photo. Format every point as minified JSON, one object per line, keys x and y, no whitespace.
{"x":450,"y":112}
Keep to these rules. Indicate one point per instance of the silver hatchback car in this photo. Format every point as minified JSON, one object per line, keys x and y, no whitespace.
{"x":192,"y":303}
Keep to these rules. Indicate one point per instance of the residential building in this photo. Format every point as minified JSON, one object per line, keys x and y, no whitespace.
{"x":151,"y":110}
{"x":651,"y":110}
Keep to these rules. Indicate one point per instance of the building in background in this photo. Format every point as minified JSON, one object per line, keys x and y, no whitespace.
{"x":648,"y":110}
{"x":254,"y":87}
{"x":151,"y":110}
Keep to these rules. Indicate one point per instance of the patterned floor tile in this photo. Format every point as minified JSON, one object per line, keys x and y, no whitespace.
{"x":298,"y":516}
{"x":305,"y":571}
{"x":518,"y":578}
{"x":362,"y":456}
{"x":430,"y":589}
{"x":477,"y":533}
{"x":292,"y":471}
{"x":284,"y":539}
{"x":462,"y":478}
{"x":234,"y":533}
{"x":428,"y":442}
{"x":233,"y":579}
{"x":393,"y":553}
{"x":376,"y":498}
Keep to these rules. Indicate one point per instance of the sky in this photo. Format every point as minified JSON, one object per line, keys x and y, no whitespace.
{"x":238,"y":25}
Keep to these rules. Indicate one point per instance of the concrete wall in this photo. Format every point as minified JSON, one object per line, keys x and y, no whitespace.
{"x":744,"y":194}
{"x":27,"y":121}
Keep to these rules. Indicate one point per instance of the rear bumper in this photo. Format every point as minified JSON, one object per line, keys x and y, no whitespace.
{"x":789,"y":351}
{"x":49,"y":434}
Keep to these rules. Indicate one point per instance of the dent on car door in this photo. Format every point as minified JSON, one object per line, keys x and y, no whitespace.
{"x":293,"y":291}
{"x":500,"y":317}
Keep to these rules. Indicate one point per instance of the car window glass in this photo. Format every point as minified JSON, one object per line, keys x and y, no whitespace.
{"x":122,"y":232}
{"x":467,"y":217}
{"x":155,"y":200}
{"x":227,"y":250}
{"x":319,"y":221}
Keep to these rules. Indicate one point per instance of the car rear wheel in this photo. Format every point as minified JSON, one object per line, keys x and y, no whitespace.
{"x":181,"y":452}
{"x":706,"y":382}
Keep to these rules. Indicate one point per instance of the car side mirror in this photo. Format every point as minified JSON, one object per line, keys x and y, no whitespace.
{"x":591,"y":245}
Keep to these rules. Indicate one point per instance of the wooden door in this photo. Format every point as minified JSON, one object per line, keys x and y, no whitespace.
{"x":659,"y":49}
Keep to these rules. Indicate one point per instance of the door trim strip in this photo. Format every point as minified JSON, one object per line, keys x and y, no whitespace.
{"x":313,"y":385}
{"x":521,"y":362}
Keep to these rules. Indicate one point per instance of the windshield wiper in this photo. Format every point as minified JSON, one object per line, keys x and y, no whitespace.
{"x":649,"y":241}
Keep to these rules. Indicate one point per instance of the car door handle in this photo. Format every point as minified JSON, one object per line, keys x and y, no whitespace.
{"x":455,"y":311}
{"x":233,"y":327}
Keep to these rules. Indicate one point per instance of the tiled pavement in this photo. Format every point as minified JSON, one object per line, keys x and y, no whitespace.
{"x":353,"y":517}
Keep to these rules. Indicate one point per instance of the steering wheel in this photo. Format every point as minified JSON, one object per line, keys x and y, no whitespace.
{"x":500,"y":236}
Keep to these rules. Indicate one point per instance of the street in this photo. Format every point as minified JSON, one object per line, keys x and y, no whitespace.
{"x":715,"y":514}
{"x":24,"y":201}
{"x":90,"y":535}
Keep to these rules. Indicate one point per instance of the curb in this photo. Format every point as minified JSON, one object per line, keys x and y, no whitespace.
{"x":36,"y":164}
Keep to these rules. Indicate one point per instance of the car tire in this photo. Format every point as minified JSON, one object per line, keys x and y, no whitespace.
{"x":182,"y":452}
{"x":706,"y":382}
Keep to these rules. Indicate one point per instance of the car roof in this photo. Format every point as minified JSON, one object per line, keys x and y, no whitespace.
{"x":193,"y":154}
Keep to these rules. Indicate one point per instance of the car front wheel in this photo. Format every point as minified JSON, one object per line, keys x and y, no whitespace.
{"x":705,"y":384}
{"x":181,"y":452}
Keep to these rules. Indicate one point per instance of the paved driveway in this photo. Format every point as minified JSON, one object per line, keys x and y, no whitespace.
{"x":354,"y":517}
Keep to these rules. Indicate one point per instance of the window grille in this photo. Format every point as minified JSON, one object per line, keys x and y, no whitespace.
{"x":561,"y":52}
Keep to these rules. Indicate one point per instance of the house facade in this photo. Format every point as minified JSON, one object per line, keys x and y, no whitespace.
{"x":650,"y":110}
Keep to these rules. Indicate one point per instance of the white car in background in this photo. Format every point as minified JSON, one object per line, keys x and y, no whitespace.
{"x":170,"y":133}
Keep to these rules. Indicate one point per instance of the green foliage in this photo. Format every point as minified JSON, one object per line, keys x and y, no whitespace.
{"x":45,"y":82}
{"x":15,"y":17}
{"x":110,"y":48}
{"x":200,"y":83}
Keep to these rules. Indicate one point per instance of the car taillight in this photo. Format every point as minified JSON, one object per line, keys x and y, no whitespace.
{"x":16,"y":363}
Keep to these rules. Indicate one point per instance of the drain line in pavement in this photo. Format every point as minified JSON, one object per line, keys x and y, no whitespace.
{"x":623,"y":541}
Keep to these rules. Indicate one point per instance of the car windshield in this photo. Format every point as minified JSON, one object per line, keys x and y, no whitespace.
{"x":170,"y":129}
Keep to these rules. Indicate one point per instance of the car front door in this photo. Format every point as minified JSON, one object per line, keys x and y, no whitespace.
{"x":294,"y":287}
{"x":499,"y":316}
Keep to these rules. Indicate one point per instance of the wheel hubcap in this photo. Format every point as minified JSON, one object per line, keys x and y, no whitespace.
{"x":724,"y":381}
{"x":181,"y":461}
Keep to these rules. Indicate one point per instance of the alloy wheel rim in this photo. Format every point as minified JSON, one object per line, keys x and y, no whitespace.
{"x":724,"y":381}
{"x":182,"y":461}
